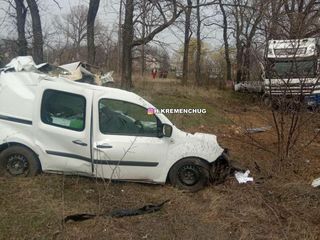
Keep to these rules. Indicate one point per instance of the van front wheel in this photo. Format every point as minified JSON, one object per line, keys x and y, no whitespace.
{"x":190,"y":174}
{"x":19,"y":161}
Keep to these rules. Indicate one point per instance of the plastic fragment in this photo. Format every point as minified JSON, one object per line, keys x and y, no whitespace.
{"x":243,"y":177}
{"x":316,"y":183}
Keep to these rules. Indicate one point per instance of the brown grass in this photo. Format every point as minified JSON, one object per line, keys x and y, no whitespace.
{"x":275,"y":206}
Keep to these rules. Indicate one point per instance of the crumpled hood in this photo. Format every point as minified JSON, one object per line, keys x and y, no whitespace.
{"x":201,"y":145}
{"x":205,"y":136}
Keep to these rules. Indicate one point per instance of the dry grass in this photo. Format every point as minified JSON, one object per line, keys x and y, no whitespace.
{"x":277,"y":207}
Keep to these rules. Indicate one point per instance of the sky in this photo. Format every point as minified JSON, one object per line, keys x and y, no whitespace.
{"x":108,"y":15}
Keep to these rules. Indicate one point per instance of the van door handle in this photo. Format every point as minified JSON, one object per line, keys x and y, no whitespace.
{"x":79,"y":142}
{"x":104,"y":145}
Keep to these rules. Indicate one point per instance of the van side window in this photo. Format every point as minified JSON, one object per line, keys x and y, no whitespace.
{"x":125,"y":118}
{"x":62,"y":109}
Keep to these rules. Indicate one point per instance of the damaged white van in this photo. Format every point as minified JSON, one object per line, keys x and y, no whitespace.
{"x":52,"y":124}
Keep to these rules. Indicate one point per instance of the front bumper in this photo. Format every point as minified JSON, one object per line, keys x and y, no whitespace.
{"x":221,"y":168}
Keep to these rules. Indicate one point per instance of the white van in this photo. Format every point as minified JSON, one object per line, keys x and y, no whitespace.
{"x":52,"y":124}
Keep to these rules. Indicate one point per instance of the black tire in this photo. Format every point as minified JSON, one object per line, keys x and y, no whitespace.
{"x":190,"y":174}
{"x":19,"y":161}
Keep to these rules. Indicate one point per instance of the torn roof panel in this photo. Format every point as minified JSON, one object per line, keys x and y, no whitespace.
{"x":22,"y":63}
{"x":71,"y":66}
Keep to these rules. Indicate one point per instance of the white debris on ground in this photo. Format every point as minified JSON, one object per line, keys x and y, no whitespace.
{"x":243,"y":177}
{"x":316,"y":183}
{"x":259,"y":129}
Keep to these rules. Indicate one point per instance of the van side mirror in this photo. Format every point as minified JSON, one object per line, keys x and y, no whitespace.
{"x":165,"y":131}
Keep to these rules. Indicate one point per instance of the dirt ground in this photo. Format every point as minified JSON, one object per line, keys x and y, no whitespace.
{"x":277,"y":205}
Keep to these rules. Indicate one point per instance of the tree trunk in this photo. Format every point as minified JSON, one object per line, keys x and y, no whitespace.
{"x":274,"y":24}
{"x":185,"y":70}
{"x":225,"y":40}
{"x":143,"y":63}
{"x":198,"y":57}
{"x":92,"y":13}
{"x":127,"y":40}
{"x":120,"y":38}
{"x":240,"y":52}
{"x":21,"y":11}
{"x":37,"y":31}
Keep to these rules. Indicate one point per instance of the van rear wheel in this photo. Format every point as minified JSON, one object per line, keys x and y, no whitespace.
{"x":19,"y":161}
{"x":190,"y":174}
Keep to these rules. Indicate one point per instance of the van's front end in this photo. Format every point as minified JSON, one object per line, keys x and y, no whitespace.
{"x":194,"y":160}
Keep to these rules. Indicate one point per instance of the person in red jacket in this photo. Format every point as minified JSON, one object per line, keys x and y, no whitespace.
{"x":154,"y":73}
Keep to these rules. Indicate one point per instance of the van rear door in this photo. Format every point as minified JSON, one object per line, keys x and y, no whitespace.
{"x":63,"y":118}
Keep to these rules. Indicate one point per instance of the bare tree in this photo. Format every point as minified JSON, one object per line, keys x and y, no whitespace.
{"x":187,"y":37}
{"x":92,"y":13}
{"x":37,"y":31}
{"x":144,"y":16}
{"x":272,"y":18}
{"x":290,"y":104}
{"x":167,"y":14}
{"x":107,"y":48}
{"x":120,"y":37}
{"x":74,"y":27}
{"x":246,"y":15}
{"x":21,"y":12}
{"x":127,"y":40}
{"x":303,"y":18}
{"x":226,"y":40}
{"x":198,"y":53}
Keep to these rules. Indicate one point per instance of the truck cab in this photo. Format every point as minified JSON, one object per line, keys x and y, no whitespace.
{"x":292,"y":68}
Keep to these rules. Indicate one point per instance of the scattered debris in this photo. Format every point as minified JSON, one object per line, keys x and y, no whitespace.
{"x":258,"y":130}
{"x":88,"y":191}
{"x":316,"y":183}
{"x":107,"y":78}
{"x":151,"y":208}
{"x":236,"y":129}
{"x":257,"y":166}
{"x":79,"y":217}
{"x":79,"y":72}
{"x":249,"y":86}
{"x":224,"y":168}
{"x":145,"y":236}
{"x":134,"y":212}
{"x":243,"y":177}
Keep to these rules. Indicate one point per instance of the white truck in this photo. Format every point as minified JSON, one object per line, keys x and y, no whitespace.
{"x":52,"y":124}
{"x":292,"y":69}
